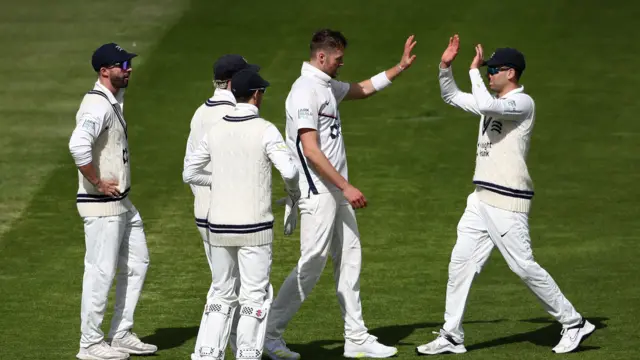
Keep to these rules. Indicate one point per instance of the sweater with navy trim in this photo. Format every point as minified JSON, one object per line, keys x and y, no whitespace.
{"x":100,"y":122}
{"x":501,"y":174}
{"x":211,"y":111}
{"x":240,"y":209}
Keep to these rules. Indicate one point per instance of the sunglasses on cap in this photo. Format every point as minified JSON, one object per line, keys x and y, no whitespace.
{"x":125,"y":65}
{"x":492,"y":70}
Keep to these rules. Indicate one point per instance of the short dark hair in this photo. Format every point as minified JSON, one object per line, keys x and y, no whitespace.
{"x":243,"y":99}
{"x":327,"y":39}
{"x":518,"y":74}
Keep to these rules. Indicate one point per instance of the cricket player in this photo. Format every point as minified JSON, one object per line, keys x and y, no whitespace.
{"x":497,"y":211}
{"x":328,"y":222}
{"x":214,"y":109}
{"x":114,"y":235}
{"x":241,"y":149}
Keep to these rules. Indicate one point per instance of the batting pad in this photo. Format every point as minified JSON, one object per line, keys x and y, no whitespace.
{"x":217,"y":329}
{"x":252,"y":328}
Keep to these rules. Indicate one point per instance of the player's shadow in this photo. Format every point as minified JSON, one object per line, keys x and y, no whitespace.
{"x":389,"y":335}
{"x":547,"y":336}
{"x":169,"y":338}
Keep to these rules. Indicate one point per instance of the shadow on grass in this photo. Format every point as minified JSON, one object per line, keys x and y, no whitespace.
{"x":547,"y":336}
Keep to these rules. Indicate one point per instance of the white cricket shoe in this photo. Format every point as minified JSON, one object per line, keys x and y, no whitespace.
{"x":131,"y":344}
{"x":100,"y":351}
{"x":276,"y":349}
{"x":444,"y":343}
{"x":370,"y":348}
{"x":573,"y":336}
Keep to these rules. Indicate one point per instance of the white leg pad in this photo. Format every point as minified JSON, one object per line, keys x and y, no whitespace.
{"x":217,"y":322}
{"x":253,"y":328}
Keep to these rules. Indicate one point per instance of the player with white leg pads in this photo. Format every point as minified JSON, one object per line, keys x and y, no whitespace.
{"x":114,"y":234}
{"x":213,"y":110}
{"x":497,"y":212}
{"x":241,"y":149}
{"x":328,"y":222}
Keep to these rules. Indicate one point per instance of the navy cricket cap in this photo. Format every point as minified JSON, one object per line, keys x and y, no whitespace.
{"x":245,"y":82}
{"x":507,"y":57}
{"x":227,"y":65}
{"x":109,"y":54}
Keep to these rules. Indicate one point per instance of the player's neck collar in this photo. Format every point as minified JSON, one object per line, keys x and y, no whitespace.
{"x":112,"y":98}
{"x":315,"y":73}
{"x":223,"y":95}
{"x":247,"y":108}
{"x":519,"y":89}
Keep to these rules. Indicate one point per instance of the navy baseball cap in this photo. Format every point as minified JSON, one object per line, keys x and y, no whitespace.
{"x":109,"y":54}
{"x":227,"y":65}
{"x":246,"y":82}
{"x":507,"y":57}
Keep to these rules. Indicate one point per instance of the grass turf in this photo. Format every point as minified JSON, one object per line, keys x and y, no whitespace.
{"x":409,"y":153}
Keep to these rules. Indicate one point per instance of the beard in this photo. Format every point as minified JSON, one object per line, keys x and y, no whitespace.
{"x":119,"y":81}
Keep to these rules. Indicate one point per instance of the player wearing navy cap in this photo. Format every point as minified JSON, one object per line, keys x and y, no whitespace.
{"x":114,"y":234}
{"x":497,"y":212}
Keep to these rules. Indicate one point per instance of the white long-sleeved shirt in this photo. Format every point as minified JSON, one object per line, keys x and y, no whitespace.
{"x":506,"y":123}
{"x":214,"y":109}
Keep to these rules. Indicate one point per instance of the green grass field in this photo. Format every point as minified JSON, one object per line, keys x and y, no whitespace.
{"x":410,"y":154}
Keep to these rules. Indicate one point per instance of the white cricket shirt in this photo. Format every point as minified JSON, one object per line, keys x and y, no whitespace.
{"x":312,"y":103}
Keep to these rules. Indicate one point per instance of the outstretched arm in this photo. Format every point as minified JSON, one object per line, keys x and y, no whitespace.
{"x":366,"y":88}
{"x":448,"y":88}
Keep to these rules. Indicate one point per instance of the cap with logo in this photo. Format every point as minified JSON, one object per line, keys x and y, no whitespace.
{"x":110,"y":54}
{"x":245,"y":82}
{"x":507,"y":57}
{"x":227,"y":65}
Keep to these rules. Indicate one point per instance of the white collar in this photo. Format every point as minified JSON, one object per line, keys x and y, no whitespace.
{"x":315,"y":73}
{"x":223,"y":95}
{"x":514,"y":91}
{"x":246,"y":108}
{"x":117,"y":99}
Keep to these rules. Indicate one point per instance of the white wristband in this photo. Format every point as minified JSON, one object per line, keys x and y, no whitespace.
{"x":380,"y":81}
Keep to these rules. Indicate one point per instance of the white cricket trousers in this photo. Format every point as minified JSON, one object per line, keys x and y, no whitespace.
{"x":208,"y":250}
{"x":253,"y":265}
{"x":113,"y":243}
{"x":482,"y":227}
{"x":328,"y":225}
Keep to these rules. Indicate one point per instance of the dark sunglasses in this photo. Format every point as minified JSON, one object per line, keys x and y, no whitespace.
{"x":125,"y":65}
{"x":492,"y":70}
{"x":262,"y":90}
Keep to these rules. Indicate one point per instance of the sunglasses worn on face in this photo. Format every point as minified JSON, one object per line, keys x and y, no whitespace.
{"x":492,"y":70}
{"x":125,"y":65}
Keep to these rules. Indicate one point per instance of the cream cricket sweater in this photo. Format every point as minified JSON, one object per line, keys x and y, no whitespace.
{"x":506,"y":123}
{"x":100,"y":137}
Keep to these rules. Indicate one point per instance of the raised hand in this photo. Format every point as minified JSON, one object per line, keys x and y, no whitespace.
{"x":407,"y":57}
{"x":478,"y":59}
{"x":451,"y":51}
